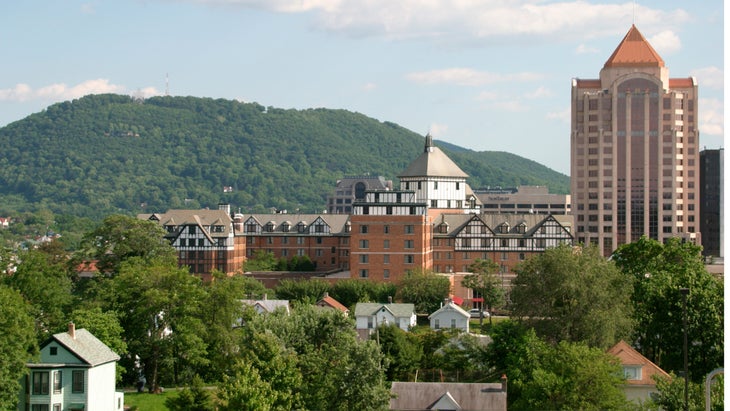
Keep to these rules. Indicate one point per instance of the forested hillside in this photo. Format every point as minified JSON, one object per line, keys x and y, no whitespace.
{"x":105,"y":154}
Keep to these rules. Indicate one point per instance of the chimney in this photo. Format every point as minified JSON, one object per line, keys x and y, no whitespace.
{"x":72,"y":330}
{"x":504,"y":382}
{"x":390,"y":299}
{"x":326,"y":294}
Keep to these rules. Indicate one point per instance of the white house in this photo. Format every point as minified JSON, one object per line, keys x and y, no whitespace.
{"x":639,"y":372}
{"x":267,"y":306}
{"x":76,"y":372}
{"x":368,"y":316}
{"x":449,"y":315}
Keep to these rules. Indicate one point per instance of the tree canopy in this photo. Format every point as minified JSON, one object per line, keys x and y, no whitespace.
{"x":658,"y":272}
{"x":573,"y":294}
{"x":104,"y":154}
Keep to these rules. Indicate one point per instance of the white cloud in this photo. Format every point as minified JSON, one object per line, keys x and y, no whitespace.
{"x":469,"y":19}
{"x":509,"y":105}
{"x":712,"y":120}
{"x":665,"y":42}
{"x":711,"y":77}
{"x":468,"y":77}
{"x":61,"y":91}
{"x":438,"y":130}
{"x":540,"y":92}
{"x":583,"y":49}
{"x":368,"y":87}
{"x":562,"y":115}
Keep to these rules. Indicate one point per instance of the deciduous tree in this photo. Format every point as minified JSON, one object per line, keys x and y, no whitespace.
{"x":18,"y":344}
{"x":425,"y":289}
{"x":573,"y":294}
{"x":483,"y":281}
{"x":658,"y":271}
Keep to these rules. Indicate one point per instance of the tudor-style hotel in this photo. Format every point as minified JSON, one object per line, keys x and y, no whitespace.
{"x":634,"y":150}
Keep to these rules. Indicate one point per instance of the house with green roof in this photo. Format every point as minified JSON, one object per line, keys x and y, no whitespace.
{"x":369,"y":316}
{"x":76,"y":372}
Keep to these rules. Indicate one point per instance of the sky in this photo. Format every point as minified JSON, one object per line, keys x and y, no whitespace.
{"x":488,"y":75}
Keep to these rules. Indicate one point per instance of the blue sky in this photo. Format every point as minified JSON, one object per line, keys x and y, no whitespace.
{"x":489,"y":75}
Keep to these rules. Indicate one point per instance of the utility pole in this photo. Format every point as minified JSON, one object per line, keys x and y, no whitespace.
{"x":685,"y":292}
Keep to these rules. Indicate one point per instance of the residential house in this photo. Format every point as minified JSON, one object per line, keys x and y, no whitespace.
{"x":330,"y":302}
{"x":76,"y":372}
{"x":265,"y":305}
{"x":368,"y":316}
{"x":443,"y":396}
{"x":449,"y":316}
{"x":639,"y":372}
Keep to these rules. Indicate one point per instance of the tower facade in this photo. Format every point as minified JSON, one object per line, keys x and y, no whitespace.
{"x":634,"y":150}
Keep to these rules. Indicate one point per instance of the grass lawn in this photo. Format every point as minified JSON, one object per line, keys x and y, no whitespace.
{"x":148,"y":402}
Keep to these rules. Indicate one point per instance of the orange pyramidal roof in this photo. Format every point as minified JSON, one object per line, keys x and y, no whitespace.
{"x":634,"y":51}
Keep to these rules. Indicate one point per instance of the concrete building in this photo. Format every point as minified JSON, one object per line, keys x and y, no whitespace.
{"x":634,"y":150}
{"x":352,"y":188}
{"x":712,"y":194}
{"x":522,"y":200}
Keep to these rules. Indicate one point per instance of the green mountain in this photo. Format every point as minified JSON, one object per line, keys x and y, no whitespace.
{"x":105,"y":154}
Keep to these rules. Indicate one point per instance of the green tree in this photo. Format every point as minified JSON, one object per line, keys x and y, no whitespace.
{"x":658,"y":271}
{"x":402,"y":351}
{"x":121,"y":237}
{"x":573,"y":294}
{"x":671,"y":395}
{"x":425,"y":289}
{"x":220,"y":309}
{"x":303,"y":291}
{"x":261,"y":261}
{"x":159,"y":308}
{"x":44,"y":283}
{"x":563,"y":376}
{"x":483,"y":281}
{"x":18,"y":344}
{"x":321,"y":339}
{"x":192,"y":398}
{"x":244,"y":391}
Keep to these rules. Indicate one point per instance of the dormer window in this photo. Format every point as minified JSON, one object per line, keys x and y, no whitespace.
{"x":632,"y":372}
{"x":443,"y":228}
{"x":250,"y":228}
{"x":521,"y":228}
{"x":302,"y":227}
{"x":270,"y":226}
{"x":504,"y":228}
{"x":217,"y":228}
{"x":286,"y":227}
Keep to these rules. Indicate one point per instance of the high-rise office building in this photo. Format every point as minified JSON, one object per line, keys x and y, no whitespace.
{"x":712,"y":204}
{"x":634,"y":150}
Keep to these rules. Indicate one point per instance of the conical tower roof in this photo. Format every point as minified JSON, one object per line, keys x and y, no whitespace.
{"x":634,"y":51}
{"x":433,"y":163}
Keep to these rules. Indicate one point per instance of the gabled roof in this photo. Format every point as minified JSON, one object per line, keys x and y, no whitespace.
{"x":630,"y":357}
{"x":398,"y":310}
{"x":467,"y":396}
{"x":634,"y":51}
{"x":85,"y":346}
{"x":451,"y":306}
{"x":328,"y":301}
{"x":445,"y":402}
{"x":267,"y":305}
{"x":433,"y":163}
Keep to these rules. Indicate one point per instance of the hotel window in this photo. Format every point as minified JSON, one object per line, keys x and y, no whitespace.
{"x":300,"y":252}
{"x":363,"y":273}
{"x":386,"y":273}
{"x":300,"y":240}
{"x":435,"y":185}
{"x":408,"y":259}
{"x":285,"y":240}
{"x":39,"y":407}
{"x":319,"y":228}
{"x":40,"y":382}
{"x":503,"y":256}
{"x":364,"y":244}
{"x":408,"y":228}
{"x":363,"y":258}
{"x":363,"y":229}
{"x":386,"y":229}
{"x":408,"y":244}
{"x":250,"y":228}
{"x":386,"y":258}
{"x":386,"y":244}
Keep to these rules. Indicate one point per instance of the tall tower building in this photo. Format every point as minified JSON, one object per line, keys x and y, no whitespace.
{"x":634,"y":150}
